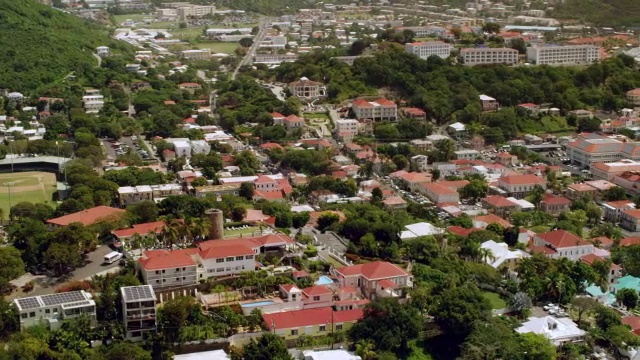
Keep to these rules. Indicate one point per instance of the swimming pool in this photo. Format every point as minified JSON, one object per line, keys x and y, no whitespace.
{"x":324,"y":280}
{"x":258,"y":303}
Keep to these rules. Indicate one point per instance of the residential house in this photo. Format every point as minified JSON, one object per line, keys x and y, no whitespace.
{"x":88,"y":217}
{"x":420,"y":162}
{"x":375,"y":279}
{"x":630,"y":219}
{"x":468,"y":154}
{"x":51,"y":310}
{"x":613,"y":209}
{"x":506,"y":159}
{"x":499,"y":205}
{"x":311,"y":322}
{"x":189,"y":87}
{"x":554,"y":204}
{"x":488,"y":103}
{"x":562,"y":244}
{"x":614,"y":273}
{"x":633,"y":97}
{"x":518,"y":186}
{"x":422,"y":145}
{"x":293,"y":122}
{"x":415,"y":113}
{"x":500,"y":255}
{"x":558,"y":330}
{"x":629,"y":181}
{"x":138,"y":311}
{"x":576,"y":191}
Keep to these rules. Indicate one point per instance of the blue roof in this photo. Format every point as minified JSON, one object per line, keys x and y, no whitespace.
{"x":627,"y":282}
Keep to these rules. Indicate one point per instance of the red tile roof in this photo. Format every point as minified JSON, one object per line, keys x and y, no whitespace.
{"x":603,"y":240}
{"x":634,"y":213}
{"x":522,"y":179}
{"x":387,"y":284}
{"x":140,"y":229}
{"x":630,"y":241}
{"x":492,"y":219}
{"x":551,"y":199}
{"x":373,"y":270}
{"x":316,"y":290}
{"x":632,"y":321}
{"x":361,"y":103}
{"x":310,"y":317}
{"x":277,"y":115}
{"x":89,"y":216}
{"x":460,"y":231}
{"x":561,"y":239}
{"x":543,"y":249}
{"x":164,"y":259}
{"x":498,"y":201}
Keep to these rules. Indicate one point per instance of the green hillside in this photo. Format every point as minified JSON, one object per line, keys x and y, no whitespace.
{"x":40,"y":45}
{"x":601,"y":12}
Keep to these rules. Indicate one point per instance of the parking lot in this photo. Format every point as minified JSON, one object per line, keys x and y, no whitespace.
{"x":123,"y":146}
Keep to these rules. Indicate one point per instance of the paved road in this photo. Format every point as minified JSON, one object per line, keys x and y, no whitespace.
{"x":94,"y":266}
{"x":109,"y":150}
{"x":248,"y":58}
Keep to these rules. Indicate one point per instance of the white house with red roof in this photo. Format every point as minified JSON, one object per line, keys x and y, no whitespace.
{"x":630,"y":219}
{"x":293,"y":122}
{"x":615,"y":271}
{"x":377,"y":110}
{"x":499,"y":205}
{"x":518,"y":186}
{"x":168,"y":268}
{"x":270,"y":188}
{"x":613,"y":209}
{"x":554,"y":204}
{"x":562,"y":244}
{"x":374,"y":279}
{"x":278,"y":119}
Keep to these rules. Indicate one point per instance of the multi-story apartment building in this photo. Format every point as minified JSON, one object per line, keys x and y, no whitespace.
{"x":138,"y":311}
{"x":194,"y":11}
{"x":374,"y":279}
{"x":51,"y":310}
{"x":307,"y":89}
{"x":563,"y":54}
{"x":380,"y":109}
{"x":629,"y":181}
{"x":485,"y":56}
{"x":347,"y":129}
{"x":562,"y":244}
{"x":554,"y":204}
{"x":518,"y":186}
{"x":212,"y":258}
{"x":429,"y":48}
{"x":633,"y":97}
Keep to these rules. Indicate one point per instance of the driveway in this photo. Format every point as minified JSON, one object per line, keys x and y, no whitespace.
{"x":47,"y":285}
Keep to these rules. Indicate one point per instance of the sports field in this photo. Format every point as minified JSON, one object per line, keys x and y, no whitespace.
{"x":35,"y":187}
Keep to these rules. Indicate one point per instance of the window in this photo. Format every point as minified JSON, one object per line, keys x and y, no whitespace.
{"x":177,"y":269}
{"x":230,"y":258}
{"x":24,"y":316}
{"x":239,"y":258}
{"x":157,"y":281}
{"x":48,"y":311}
{"x":323,"y":327}
{"x":219,"y":261}
{"x":219,"y":269}
{"x":294,"y":332}
{"x":177,"y":279}
{"x":32,"y":314}
{"x":316,"y":298}
{"x":338,"y":327}
{"x":163,"y":271}
{"x":157,"y":272}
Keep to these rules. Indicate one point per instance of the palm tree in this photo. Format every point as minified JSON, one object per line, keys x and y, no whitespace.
{"x":365,"y":349}
{"x":199,"y":228}
{"x":1,"y":216}
{"x":172,"y":233}
{"x":486,"y":254}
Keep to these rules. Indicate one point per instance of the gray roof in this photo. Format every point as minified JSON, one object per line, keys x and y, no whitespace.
{"x":137,"y":293}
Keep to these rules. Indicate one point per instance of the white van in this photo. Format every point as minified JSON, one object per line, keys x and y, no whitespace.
{"x":112,"y":257}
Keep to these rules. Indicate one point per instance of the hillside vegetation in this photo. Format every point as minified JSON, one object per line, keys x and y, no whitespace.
{"x":601,"y":12}
{"x":40,"y":45}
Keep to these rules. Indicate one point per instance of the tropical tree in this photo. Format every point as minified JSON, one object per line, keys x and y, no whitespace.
{"x":520,"y":303}
{"x":366,"y":350}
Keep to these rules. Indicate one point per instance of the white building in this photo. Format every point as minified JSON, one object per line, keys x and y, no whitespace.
{"x":329,"y":355}
{"x":51,"y":310}
{"x":501,"y":255}
{"x":419,"y":229}
{"x":202,"y":54}
{"x":138,"y":311}
{"x":563,"y":54}
{"x":467,"y":154}
{"x":485,"y":56}
{"x":103,"y":51}
{"x":134,"y":194}
{"x":421,"y":162}
{"x":378,"y":110}
{"x":558,"y":330}
{"x":426,"y":49}
{"x":194,"y":11}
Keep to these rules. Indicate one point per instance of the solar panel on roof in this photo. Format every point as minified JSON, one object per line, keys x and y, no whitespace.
{"x":138,"y":293}
{"x":61,"y":298}
{"x":28,"y":303}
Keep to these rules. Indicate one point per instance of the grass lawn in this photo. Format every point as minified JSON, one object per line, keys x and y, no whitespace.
{"x":219,"y":47}
{"x":119,"y":19}
{"x":495,"y":300}
{"x":187,"y":34}
{"x":35,"y":187}
{"x":244,"y":232}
